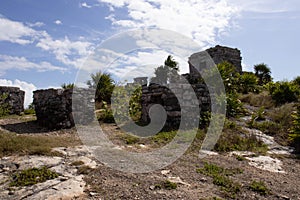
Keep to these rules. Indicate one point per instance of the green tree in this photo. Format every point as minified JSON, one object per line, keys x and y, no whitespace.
{"x":165,"y":73}
{"x":104,"y":85}
{"x":263,"y":73}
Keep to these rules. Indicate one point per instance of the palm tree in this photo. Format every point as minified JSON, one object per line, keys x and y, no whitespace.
{"x":104,"y":85}
{"x":263,"y":73}
{"x":165,"y":73}
{"x":68,"y":86}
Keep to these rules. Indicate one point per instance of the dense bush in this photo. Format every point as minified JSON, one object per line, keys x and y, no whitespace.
{"x":234,"y":105}
{"x":231,"y":82}
{"x":283,"y":92}
{"x":29,"y":110}
{"x":248,"y":83}
{"x":295,"y":129}
{"x":33,"y":176}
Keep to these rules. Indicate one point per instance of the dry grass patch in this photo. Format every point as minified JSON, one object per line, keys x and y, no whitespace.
{"x":263,"y":99}
{"x":11,"y":143}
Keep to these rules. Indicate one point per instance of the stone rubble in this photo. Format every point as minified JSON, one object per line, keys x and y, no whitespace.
{"x":68,"y":185}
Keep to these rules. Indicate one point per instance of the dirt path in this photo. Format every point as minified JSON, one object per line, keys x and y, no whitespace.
{"x":102,"y":182}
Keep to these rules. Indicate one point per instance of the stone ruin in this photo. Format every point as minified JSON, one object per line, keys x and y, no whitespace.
{"x":54,"y":106}
{"x":54,"y":109}
{"x":157,"y":94}
{"x":220,"y":54}
{"x":14,"y":98}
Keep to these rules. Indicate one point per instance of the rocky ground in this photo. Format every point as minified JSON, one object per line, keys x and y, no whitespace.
{"x":81,"y":176}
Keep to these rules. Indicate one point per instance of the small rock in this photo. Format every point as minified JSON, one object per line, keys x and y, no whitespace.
{"x":283,"y":197}
{"x":165,"y":172}
{"x":177,"y":180}
{"x":152,"y":187}
{"x":203,"y":179}
{"x":93,"y":194}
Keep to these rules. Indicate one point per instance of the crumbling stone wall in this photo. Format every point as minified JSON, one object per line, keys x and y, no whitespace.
{"x":53,"y":107}
{"x":15,"y":99}
{"x":157,"y":94}
{"x":220,"y":54}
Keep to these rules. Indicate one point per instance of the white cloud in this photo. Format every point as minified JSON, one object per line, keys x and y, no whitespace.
{"x":58,"y":22}
{"x":16,"y":32}
{"x":66,"y":51}
{"x":36,"y":24}
{"x":85,"y":5}
{"x":201,"y":20}
{"x":266,"y":6}
{"x":21,"y":63}
{"x":27,"y":87}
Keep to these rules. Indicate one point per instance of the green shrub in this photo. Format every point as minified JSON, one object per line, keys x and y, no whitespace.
{"x":227,"y":185}
{"x":234,"y":105}
{"x":259,"y":187}
{"x":231,"y":140}
{"x":169,"y":185}
{"x":283,"y":92}
{"x":127,"y":103}
{"x":105,"y":114}
{"x":29,"y":111}
{"x":297,"y":80}
{"x":32,"y":176}
{"x":248,"y":83}
{"x":221,"y":177}
{"x":135,"y":106}
{"x":267,"y":127}
{"x":163,"y":137}
{"x":130,"y":139}
{"x":295,"y":130}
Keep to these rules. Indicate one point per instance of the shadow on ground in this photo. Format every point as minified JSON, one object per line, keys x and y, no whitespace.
{"x":25,"y":127}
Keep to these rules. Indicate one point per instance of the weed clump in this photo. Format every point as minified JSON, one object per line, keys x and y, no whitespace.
{"x":32,"y":176}
{"x":259,"y":187}
{"x":221,"y":177}
{"x":169,"y":185}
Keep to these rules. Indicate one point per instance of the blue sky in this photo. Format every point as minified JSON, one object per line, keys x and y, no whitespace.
{"x":45,"y":43}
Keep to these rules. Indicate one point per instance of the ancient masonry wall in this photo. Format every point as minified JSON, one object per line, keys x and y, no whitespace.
{"x":220,"y":54}
{"x":53,"y":107}
{"x":14,"y":98}
{"x":156,"y":94}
